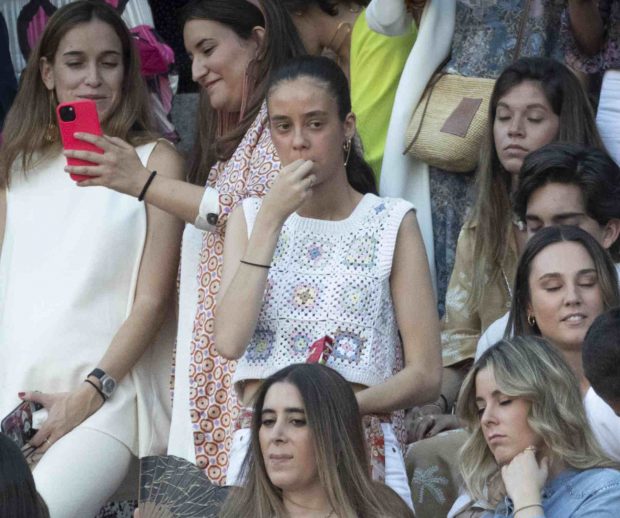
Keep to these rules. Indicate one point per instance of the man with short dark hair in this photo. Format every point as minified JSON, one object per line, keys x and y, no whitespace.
{"x":601,"y":365}
{"x":566,"y":184}
{"x":601,"y":357}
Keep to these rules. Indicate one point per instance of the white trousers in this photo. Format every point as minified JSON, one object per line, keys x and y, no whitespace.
{"x":608,"y":115}
{"x":80,"y":472}
{"x":395,"y":472}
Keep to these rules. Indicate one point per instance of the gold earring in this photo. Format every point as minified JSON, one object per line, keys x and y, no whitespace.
{"x":51,"y":133}
{"x":531,"y":320}
{"x":347,"y":150}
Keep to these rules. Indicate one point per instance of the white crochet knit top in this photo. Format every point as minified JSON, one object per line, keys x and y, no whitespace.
{"x":330,"y":278}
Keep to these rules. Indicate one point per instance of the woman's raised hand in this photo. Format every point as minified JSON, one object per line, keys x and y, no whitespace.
{"x":290,"y":190}
{"x":118,"y":167}
{"x":525,"y":478}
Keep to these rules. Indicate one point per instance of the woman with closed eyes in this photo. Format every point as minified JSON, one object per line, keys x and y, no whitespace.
{"x":531,"y":452}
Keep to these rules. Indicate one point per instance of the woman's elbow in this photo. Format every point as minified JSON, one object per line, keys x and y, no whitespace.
{"x":155,"y":308}
{"x":225,"y":345}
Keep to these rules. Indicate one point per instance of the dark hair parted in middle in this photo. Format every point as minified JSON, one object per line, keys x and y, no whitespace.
{"x":333,"y":416}
{"x":280,"y":43}
{"x":595,"y":174}
{"x":605,"y":271}
{"x":329,"y":76}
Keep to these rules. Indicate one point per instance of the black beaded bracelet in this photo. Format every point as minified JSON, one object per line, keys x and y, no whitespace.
{"x":146,"y":186}
{"x":103,"y":396}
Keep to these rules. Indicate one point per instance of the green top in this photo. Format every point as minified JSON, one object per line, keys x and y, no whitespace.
{"x":377,"y":62}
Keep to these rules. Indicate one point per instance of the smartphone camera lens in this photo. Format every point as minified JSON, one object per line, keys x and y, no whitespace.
{"x":67,"y":113}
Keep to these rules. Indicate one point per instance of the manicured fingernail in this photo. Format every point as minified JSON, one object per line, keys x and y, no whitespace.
{"x":21,"y":395}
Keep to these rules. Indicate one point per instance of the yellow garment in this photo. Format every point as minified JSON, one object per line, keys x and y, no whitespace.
{"x":461,"y":325}
{"x":376,"y":64}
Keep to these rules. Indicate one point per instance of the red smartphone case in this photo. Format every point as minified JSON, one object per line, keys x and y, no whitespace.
{"x":86,"y":120}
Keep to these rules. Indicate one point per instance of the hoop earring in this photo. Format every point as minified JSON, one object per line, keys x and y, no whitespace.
{"x":347,"y":150}
{"x":531,"y":320}
{"x":51,"y":133}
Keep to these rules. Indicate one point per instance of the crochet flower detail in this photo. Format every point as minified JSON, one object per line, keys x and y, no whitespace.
{"x":314,"y":254}
{"x":300,"y":342}
{"x":305,"y":296}
{"x":261,"y":346}
{"x":362,"y":252}
{"x":348,"y":346}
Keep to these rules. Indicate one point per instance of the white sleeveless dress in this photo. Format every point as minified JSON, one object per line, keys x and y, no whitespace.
{"x":68,"y":273}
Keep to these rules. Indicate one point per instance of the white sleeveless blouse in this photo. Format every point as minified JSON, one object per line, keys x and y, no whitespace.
{"x":68,"y":273}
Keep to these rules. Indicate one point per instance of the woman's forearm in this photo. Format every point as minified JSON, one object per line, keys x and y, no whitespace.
{"x":134,"y":337}
{"x":176,"y":197}
{"x":412,"y":386}
{"x":587,"y":25}
{"x":155,"y":286}
{"x":240,"y":302}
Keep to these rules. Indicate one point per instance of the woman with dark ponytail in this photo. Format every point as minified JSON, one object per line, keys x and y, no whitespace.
{"x":323,"y":267}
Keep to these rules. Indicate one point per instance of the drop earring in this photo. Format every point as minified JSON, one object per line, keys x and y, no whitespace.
{"x":347,"y":150}
{"x":51,"y":133}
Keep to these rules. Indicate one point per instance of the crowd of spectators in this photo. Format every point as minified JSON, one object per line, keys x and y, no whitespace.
{"x":376,"y":277}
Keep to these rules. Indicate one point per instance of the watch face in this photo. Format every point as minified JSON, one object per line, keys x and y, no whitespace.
{"x":108,"y":385}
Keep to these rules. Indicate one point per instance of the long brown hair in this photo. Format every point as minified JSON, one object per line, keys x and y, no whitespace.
{"x":342,"y":460}
{"x":27,"y":122}
{"x":492,"y":211}
{"x":281,"y":42}
{"x":521,"y":297}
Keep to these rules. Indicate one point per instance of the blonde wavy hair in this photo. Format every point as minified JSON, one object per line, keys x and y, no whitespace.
{"x":527,"y":367}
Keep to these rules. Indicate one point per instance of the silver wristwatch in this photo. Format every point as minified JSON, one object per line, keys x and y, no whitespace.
{"x":108,"y":383}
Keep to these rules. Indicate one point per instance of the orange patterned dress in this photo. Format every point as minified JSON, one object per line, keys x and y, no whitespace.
{"x":213,"y":403}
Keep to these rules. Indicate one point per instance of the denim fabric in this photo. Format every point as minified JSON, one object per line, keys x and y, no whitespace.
{"x":592,"y":493}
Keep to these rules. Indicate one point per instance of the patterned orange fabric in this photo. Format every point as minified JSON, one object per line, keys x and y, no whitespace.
{"x":213,"y":403}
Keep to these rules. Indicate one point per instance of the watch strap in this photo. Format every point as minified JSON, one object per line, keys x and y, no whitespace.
{"x":97,"y":373}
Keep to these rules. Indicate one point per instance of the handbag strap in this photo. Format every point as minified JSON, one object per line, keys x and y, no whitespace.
{"x":524,"y":17}
{"x":429,"y":88}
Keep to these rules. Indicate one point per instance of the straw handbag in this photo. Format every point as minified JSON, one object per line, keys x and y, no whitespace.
{"x":447,"y":126}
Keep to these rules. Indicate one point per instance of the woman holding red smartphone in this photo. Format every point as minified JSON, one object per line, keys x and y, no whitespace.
{"x":234,"y":46}
{"x":86,"y":276}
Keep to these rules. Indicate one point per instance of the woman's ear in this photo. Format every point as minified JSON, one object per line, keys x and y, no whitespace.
{"x":611,"y":232}
{"x":47,"y":73}
{"x":258,"y":37}
{"x":350,"y":125}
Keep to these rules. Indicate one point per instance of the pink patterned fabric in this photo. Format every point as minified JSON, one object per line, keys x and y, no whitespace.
{"x":213,"y":402}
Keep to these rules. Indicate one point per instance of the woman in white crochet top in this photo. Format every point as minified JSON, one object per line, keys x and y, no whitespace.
{"x":323,"y":256}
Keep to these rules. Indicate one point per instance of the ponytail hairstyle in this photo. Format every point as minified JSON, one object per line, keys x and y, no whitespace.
{"x":331,"y":77}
